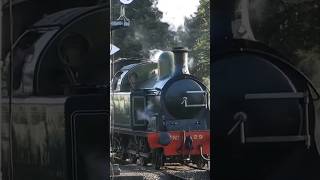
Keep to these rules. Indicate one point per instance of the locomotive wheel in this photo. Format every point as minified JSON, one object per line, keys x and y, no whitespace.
{"x":119,"y":149}
{"x":157,"y":158}
{"x":142,"y":161}
{"x":132,"y":158}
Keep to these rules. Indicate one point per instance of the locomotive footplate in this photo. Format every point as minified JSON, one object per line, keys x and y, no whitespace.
{"x":177,"y":146}
{"x":128,"y":131}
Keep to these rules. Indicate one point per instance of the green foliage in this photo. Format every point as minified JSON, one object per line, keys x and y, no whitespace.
{"x":197,"y":38}
{"x":301,"y":35}
{"x":310,"y":63}
{"x":146,"y":31}
{"x":292,"y":28}
{"x":288,"y":27}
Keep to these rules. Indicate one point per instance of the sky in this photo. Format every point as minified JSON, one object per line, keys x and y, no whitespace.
{"x":174,"y":11}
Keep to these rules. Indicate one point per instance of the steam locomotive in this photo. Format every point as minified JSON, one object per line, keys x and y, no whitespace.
{"x":265,"y":118}
{"x":160,"y":113}
{"x":59,"y":99}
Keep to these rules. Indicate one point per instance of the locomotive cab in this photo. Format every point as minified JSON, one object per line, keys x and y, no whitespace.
{"x":57,"y":55}
{"x":145,"y":73}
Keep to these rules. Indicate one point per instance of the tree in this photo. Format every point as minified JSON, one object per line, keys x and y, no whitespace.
{"x":287,"y":26}
{"x":196,"y":37}
{"x":146,"y":31}
{"x":291,"y":27}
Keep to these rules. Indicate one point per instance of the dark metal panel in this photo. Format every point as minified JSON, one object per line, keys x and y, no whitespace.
{"x":87,"y":121}
{"x":62,"y":18}
{"x":39,"y":143}
{"x":88,"y":65}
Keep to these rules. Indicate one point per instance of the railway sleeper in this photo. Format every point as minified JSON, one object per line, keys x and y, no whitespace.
{"x":139,"y":154}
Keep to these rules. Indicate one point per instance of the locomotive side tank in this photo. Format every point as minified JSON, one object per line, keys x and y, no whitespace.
{"x":264,"y":116}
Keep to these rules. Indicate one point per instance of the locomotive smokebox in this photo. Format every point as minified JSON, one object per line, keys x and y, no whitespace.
{"x":180,"y":61}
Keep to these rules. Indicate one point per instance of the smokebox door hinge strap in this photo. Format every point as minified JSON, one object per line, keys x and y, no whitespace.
{"x":241,"y":118}
{"x":306,"y":114}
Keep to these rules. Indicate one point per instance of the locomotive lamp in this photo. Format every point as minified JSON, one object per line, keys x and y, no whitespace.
{"x":164,"y":138}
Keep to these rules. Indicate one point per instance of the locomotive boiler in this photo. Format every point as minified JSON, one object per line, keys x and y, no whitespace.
{"x":58,"y":115}
{"x":160,"y":112}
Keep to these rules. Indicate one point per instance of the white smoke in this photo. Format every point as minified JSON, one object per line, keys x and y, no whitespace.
{"x":190,"y":62}
{"x":142,"y":115}
{"x":145,"y":114}
{"x":154,"y":54}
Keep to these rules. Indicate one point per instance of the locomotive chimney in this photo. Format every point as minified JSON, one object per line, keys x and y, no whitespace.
{"x":180,"y":61}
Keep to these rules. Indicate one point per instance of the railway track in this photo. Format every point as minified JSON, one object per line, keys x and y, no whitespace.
{"x":182,"y":171}
{"x":174,"y":171}
{"x":176,"y":177}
